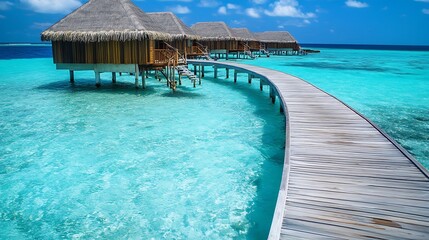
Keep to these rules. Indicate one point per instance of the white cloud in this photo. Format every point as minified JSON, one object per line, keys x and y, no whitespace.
{"x":222,"y":10}
{"x":356,"y":4}
{"x":422,"y":1}
{"x":425,"y":10}
{"x":5,"y":5}
{"x":259,"y":1}
{"x":232,"y":6}
{"x":252,"y":12}
{"x":179,"y":9}
{"x":52,"y":6}
{"x":288,"y":8}
{"x":208,"y":3}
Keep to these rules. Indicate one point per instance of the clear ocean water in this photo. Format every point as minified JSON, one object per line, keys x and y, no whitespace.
{"x":120,"y":163}
{"x":115,"y":162}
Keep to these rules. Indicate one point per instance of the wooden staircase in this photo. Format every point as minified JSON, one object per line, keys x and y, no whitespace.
{"x":205,"y":51}
{"x":263,"y":50}
{"x":247,"y":51}
{"x":184,"y":71}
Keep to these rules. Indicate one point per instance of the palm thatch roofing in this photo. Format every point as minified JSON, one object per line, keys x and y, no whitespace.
{"x":275,"y":37}
{"x":106,"y":20}
{"x":214,"y":31}
{"x":173,"y":25}
{"x":244,"y":34}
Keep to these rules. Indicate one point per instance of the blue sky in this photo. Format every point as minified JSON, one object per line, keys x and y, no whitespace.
{"x":396,"y":22}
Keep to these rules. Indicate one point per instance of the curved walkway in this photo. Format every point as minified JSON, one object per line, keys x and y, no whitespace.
{"x":343,"y":178}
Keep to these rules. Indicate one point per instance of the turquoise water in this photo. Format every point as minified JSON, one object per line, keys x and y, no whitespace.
{"x":389,"y":87}
{"x":116,"y":162}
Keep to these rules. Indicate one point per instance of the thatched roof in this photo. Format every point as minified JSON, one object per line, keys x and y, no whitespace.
{"x":244,"y":34}
{"x":213,"y":31}
{"x":279,"y":37}
{"x":173,"y":25}
{"x":105,"y":20}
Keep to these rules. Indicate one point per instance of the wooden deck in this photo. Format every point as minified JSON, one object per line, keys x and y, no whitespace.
{"x":343,"y":178}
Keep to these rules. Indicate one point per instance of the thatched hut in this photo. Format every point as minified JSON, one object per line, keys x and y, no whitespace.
{"x":248,"y":39}
{"x":108,"y":36}
{"x":218,"y":37}
{"x":280,"y":42}
{"x":185,"y":39}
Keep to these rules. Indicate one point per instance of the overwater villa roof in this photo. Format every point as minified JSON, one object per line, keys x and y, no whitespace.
{"x":244,"y":34}
{"x":278,"y":37}
{"x":106,"y":20}
{"x":173,"y":25}
{"x":214,"y":31}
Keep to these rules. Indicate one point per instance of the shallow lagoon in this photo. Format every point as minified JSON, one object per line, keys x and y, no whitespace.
{"x":118,"y":162}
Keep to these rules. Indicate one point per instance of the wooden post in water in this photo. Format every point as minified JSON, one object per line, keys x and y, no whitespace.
{"x":144,"y":75}
{"x":235,"y":76}
{"x":71,"y":76}
{"x":136,"y":75}
{"x":272,"y":94}
{"x":227,"y":72}
{"x":195,"y":69}
{"x":215,"y":72}
{"x":249,"y":78}
{"x":202,"y":72}
{"x":113,"y":77}
{"x":97,"y":79}
{"x":261,"y":84}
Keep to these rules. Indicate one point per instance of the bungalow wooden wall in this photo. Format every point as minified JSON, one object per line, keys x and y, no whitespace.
{"x":112,"y":52}
{"x":293,"y":46}
{"x":217,"y":45}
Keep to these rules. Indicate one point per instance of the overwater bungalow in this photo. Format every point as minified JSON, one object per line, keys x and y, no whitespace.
{"x":185,"y":39}
{"x":218,"y":38}
{"x":110,"y":36}
{"x":249,"y":43}
{"x":279,"y":43}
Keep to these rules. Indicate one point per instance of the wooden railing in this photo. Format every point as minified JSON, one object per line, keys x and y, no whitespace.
{"x":166,"y":56}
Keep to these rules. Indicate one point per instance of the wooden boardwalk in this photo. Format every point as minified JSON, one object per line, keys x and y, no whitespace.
{"x":343,"y":178}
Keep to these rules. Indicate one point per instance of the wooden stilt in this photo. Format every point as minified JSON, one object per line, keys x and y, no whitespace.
{"x":249,"y":78}
{"x":180,"y":79}
{"x":136,"y":75}
{"x":147,"y":73}
{"x":71,"y":76}
{"x":195,"y":69}
{"x":215,"y":72}
{"x":97,"y":79}
{"x":202,"y":72}
{"x":227,"y":72}
{"x":261,"y":84}
{"x":235,"y":76}
{"x":272,"y":94}
{"x":144,"y":76}
{"x":113,"y":77}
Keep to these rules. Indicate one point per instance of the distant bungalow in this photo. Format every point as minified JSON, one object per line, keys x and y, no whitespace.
{"x":279,"y":43}
{"x":249,"y":42}
{"x":219,"y":39}
{"x":109,"y":36}
{"x":185,"y":39}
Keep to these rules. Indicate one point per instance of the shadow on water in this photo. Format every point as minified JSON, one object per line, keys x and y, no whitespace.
{"x":268,"y":182}
{"x":182,"y":93}
{"x":86,"y":85}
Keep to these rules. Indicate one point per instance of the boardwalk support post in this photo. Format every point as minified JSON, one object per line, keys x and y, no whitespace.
{"x":215,"y":72}
{"x":202,"y":72}
{"x":227,"y":72}
{"x":249,"y":78}
{"x":272,"y":94}
{"x":235,"y":76}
